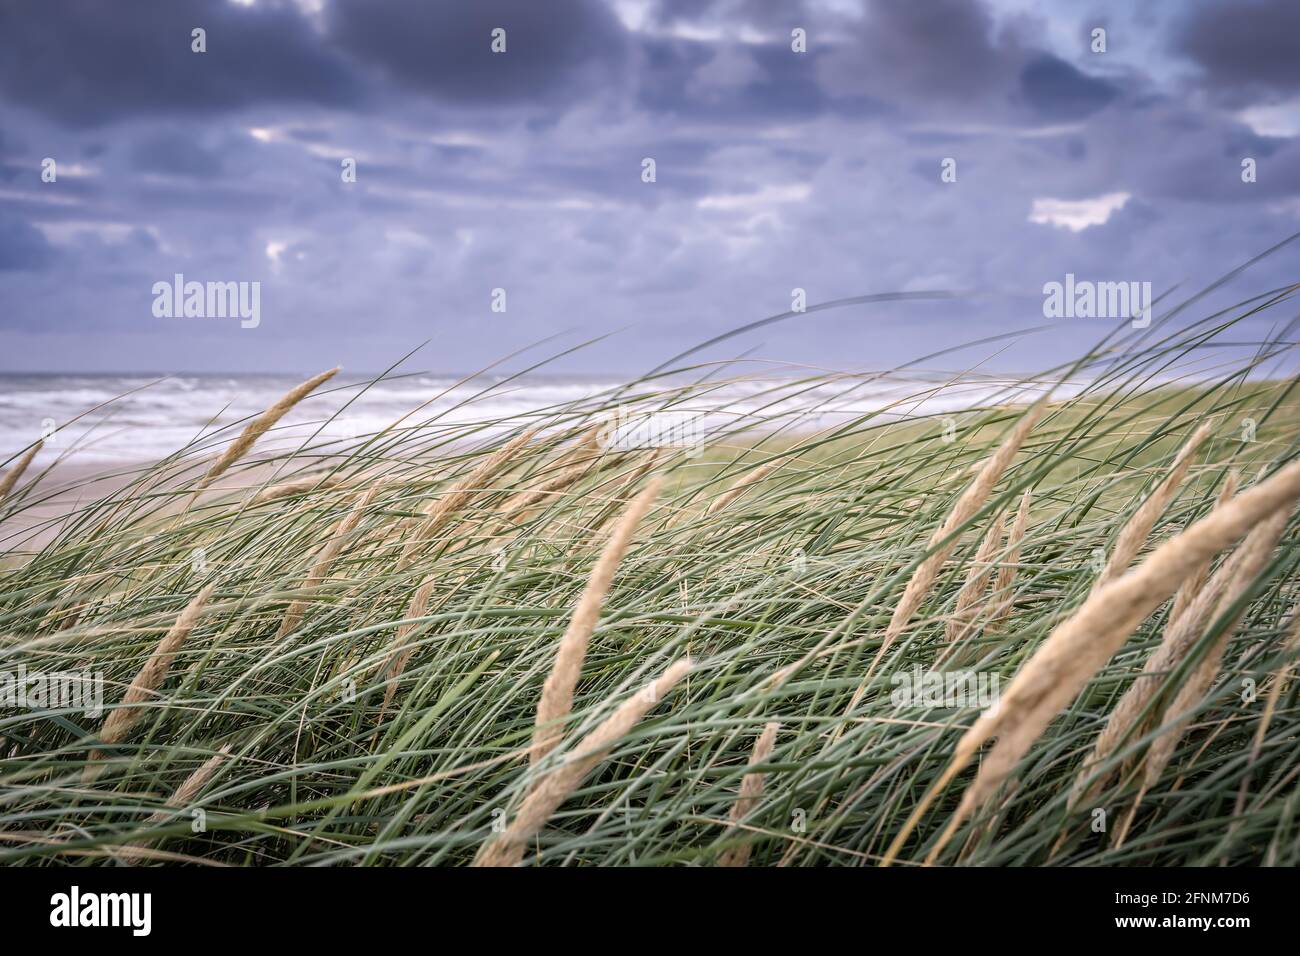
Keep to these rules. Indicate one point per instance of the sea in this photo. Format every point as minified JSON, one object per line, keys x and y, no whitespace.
{"x":110,"y":419}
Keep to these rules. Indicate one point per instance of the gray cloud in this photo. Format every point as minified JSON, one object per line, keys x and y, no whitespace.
{"x":735,"y":83}
{"x":552,"y":48}
{"x":1246,"y":50}
{"x":86,"y":62}
{"x":775,"y":170}
{"x":1058,"y":91}
{"x":767,"y":14}
{"x":174,"y":154}
{"x":22,"y":246}
{"x":944,"y":50}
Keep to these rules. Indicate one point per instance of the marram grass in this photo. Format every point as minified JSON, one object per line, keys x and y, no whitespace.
{"x":367,"y":633}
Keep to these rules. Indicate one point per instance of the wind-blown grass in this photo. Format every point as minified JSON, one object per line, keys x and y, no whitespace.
{"x":390,"y":720}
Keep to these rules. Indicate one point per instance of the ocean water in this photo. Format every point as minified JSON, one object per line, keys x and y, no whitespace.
{"x":110,"y":419}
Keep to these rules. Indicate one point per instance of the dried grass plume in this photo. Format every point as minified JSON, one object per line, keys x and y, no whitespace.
{"x":751,"y":791}
{"x":262,"y":424}
{"x":120,"y":722}
{"x":555,"y":787}
{"x":557,"y":693}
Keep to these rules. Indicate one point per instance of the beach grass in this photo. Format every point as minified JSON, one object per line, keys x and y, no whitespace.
{"x":336,"y":653}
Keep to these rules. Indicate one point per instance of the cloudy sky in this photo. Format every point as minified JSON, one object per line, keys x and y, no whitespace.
{"x":522,"y":170}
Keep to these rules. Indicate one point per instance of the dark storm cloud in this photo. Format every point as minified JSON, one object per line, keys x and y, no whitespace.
{"x":1248,"y":50}
{"x":669,"y":66}
{"x":949,"y":59}
{"x":551,"y":47}
{"x":940,"y":50}
{"x":1058,"y":91}
{"x":1241,"y":141}
{"x":734,"y":83}
{"x":88,"y":62}
{"x":787,"y":84}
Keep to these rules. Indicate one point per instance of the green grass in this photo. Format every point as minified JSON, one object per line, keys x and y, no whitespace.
{"x":815,"y":555}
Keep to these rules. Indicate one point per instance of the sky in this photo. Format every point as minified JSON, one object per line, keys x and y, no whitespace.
{"x":775,"y":169}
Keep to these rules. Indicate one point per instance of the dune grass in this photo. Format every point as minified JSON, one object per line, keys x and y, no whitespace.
{"x":281,"y":714}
